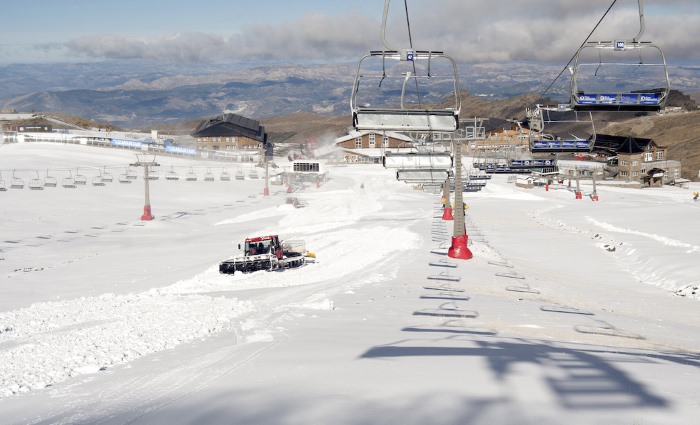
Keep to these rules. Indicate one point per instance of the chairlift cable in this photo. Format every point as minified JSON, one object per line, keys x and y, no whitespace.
{"x":574,"y":56}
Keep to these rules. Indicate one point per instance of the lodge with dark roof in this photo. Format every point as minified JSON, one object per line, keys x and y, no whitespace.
{"x":638,"y":159}
{"x":230,"y":132}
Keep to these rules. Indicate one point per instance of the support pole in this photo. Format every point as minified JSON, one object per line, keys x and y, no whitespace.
{"x":147,"y":214}
{"x":579,"y":195}
{"x":447,"y":205}
{"x":594,"y":197}
{"x":460,"y":239}
{"x":266,"y":191}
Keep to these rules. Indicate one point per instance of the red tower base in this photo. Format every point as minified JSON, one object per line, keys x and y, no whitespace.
{"x":594,"y":198}
{"x":579,"y":195}
{"x":459,"y":248}
{"x":147,"y":216}
{"x":266,"y":192}
{"x":447,"y":214}
{"x":289,"y":189}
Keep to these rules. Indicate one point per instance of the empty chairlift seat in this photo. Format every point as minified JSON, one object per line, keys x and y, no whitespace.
{"x":191,"y":176}
{"x":68,"y":183}
{"x":172,"y":175}
{"x":225,"y":176}
{"x":553,"y":118}
{"x":80,"y":179}
{"x":406,"y":91}
{"x":620,"y":75}
{"x":107,"y":177}
{"x":419,"y":167}
{"x":16,"y":182}
{"x":36,"y":183}
{"x":209,"y":176}
{"x":50,"y":181}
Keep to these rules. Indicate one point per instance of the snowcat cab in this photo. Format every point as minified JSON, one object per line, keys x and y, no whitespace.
{"x":266,"y":253}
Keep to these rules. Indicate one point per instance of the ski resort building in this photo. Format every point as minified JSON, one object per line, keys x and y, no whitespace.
{"x":230,"y":132}
{"x":367,"y":147}
{"x":636,"y":159}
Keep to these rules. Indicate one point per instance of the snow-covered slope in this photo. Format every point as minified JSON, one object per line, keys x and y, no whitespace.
{"x":570,"y":310}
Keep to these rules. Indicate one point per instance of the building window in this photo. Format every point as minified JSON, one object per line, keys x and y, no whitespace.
{"x":358,"y":143}
{"x":635,"y":173}
{"x":623,"y":162}
{"x":635,"y":163}
{"x":385,"y":142}
{"x":648,"y":156}
{"x":371,"y":140}
{"x":660,"y":155}
{"x":623,"y":173}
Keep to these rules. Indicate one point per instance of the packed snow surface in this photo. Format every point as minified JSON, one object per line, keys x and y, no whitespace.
{"x":571,"y":310}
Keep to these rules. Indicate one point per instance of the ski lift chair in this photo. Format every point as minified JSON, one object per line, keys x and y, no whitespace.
{"x":209,"y":176}
{"x":191,"y":176}
{"x":225,"y":176}
{"x":171,"y":175}
{"x":408,"y":92}
{"x":629,"y":75}
{"x":240,"y":175}
{"x":97,"y":181}
{"x":595,"y":86}
{"x":107,"y":177}
{"x":50,"y":181}
{"x":124,"y":177}
{"x":253,"y":174}
{"x":68,"y":182}
{"x":80,"y":179}
{"x":153,"y":175}
{"x":3,"y":185}
{"x":16,"y":182}
{"x":131,"y":174}
{"x":37,"y":183}
{"x":541,"y":142}
{"x":405,"y":89}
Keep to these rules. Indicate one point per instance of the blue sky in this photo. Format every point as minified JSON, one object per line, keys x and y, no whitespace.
{"x":331,"y":30}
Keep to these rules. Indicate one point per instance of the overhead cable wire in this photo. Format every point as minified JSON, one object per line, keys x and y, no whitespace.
{"x":574,"y":56}
{"x":410,"y":45}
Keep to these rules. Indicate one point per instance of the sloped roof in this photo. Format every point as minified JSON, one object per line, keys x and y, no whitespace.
{"x":230,"y":125}
{"x":496,"y":124}
{"x":621,"y":144}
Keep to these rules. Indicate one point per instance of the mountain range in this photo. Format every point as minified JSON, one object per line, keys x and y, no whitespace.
{"x":139,"y":94}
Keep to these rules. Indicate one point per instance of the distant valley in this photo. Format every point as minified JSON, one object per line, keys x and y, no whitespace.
{"x":139,"y":95}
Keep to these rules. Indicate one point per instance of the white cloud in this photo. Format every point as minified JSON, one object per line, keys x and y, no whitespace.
{"x":536,"y":30}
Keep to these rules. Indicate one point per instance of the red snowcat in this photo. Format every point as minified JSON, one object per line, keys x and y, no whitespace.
{"x":267,"y":253}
